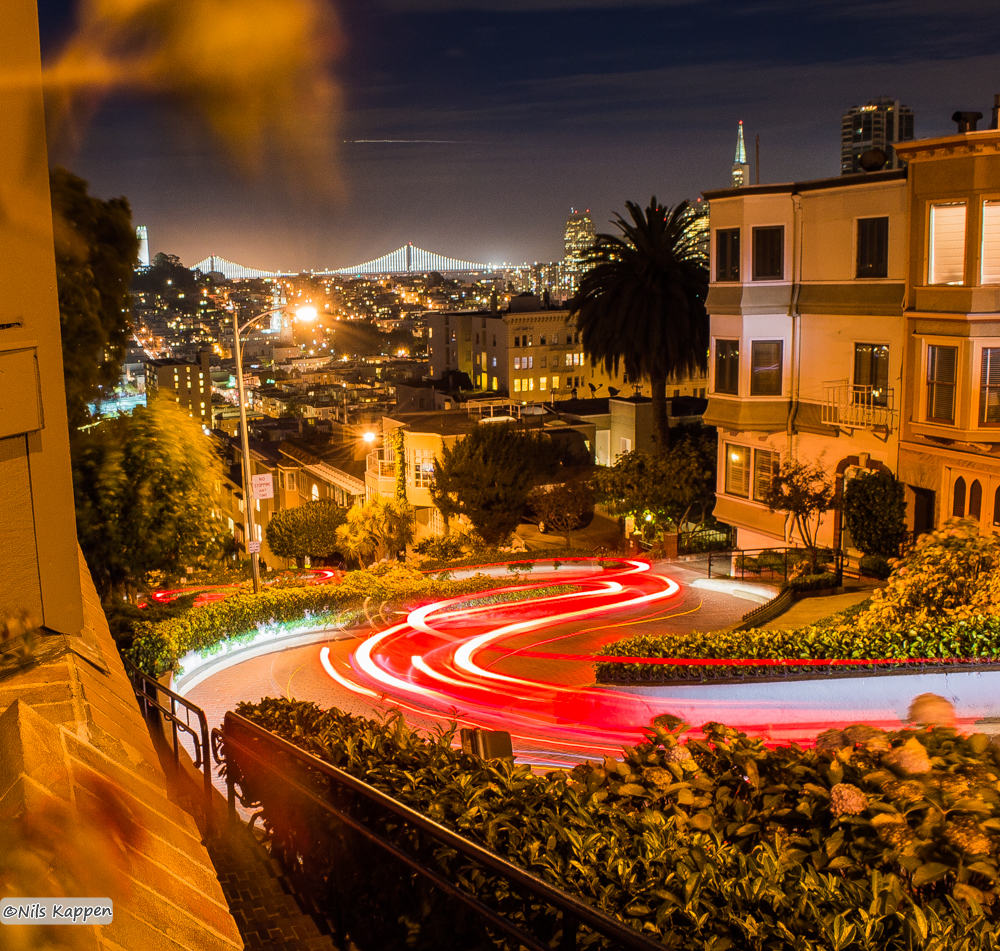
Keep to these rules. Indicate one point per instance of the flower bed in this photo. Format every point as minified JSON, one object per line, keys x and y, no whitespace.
{"x":871,"y":840}
{"x":157,"y":647}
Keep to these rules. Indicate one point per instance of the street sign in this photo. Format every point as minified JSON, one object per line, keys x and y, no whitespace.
{"x":262,"y":486}
{"x":253,"y":548}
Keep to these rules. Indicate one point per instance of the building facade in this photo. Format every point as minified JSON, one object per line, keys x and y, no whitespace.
{"x":879,"y":124}
{"x":857,"y":321}
{"x":807,"y":337}
{"x":187,"y":384}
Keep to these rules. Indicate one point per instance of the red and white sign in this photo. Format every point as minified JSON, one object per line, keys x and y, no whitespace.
{"x":262,"y":486}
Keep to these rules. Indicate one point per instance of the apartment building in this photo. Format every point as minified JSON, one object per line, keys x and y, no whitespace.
{"x":529,"y":353}
{"x":187,"y":384}
{"x":857,"y":320}
{"x":807,"y":337}
{"x":950,"y":440}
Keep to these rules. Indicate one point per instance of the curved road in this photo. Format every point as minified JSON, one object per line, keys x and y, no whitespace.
{"x":527,"y":667}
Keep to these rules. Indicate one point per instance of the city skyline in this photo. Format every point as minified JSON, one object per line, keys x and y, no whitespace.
{"x":441,"y":149}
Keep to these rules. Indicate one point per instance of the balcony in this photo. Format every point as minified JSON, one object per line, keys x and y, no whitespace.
{"x":848,"y":406}
{"x":382,"y":464}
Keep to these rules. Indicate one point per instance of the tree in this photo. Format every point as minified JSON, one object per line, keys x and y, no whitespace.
{"x":804,"y":491}
{"x":641,"y":304}
{"x":380,"y":530}
{"x":166,"y":275}
{"x":96,"y":250}
{"x":662,"y":490}
{"x":309,"y":530}
{"x":563,"y":507}
{"x":487,"y":477}
{"x":143,"y":486}
{"x":875,"y":513}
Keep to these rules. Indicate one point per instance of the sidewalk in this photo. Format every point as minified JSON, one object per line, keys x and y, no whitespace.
{"x":810,"y":610}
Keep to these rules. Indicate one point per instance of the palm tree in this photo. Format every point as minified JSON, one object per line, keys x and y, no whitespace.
{"x":641,"y":302}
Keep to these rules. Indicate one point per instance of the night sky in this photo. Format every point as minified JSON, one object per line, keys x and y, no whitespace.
{"x":524,"y":108}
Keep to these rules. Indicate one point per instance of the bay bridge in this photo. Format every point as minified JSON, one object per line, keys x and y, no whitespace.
{"x":405,"y":260}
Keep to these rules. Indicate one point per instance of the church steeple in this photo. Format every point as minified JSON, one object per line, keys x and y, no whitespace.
{"x":741,"y":169}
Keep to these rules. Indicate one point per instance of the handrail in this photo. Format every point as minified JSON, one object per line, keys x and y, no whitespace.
{"x":141,"y":681}
{"x":779,"y":569}
{"x":575,"y":911}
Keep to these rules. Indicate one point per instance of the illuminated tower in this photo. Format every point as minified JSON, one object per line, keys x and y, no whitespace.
{"x":580,"y":236}
{"x":741,"y":169}
{"x":143,"y":237}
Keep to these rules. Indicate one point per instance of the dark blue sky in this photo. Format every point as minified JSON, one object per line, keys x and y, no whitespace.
{"x":534,"y":106}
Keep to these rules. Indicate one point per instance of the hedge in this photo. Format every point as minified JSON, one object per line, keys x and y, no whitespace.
{"x":971,"y":640}
{"x":158,"y":647}
{"x":869,"y":841}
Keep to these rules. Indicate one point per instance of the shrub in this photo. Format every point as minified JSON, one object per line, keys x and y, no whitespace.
{"x":875,"y":513}
{"x":875,"y":566}
{"x":716,"y":843}
{"x":817,"y":582}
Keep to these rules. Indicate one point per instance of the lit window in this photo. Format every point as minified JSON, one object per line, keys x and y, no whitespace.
{"x":517,"y":386}
{"x":496,"y":383}
{"x":555,"y":382}
{"x":543,"y":382}
{"x":737,"y":471}
{"x":765,"y":468}
{"x":871,"y":370}
{"x":991,"y":242}
{"x":941,"y":367}
{"x":989,"y":388}
{"x":946,"y":260}
{"x":517,"y":363}
{"x":531,"y":383}
{"x":530,"y":364}
{"x":315,"y":493}
{"x":423,"y":467}
{"x":569,"y":359}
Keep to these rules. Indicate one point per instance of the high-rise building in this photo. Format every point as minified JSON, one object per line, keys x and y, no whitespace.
{"x":741,"y":168}
{"x":877,"y":125}
{"x":143,"y":237}
{"x":580,"y":236}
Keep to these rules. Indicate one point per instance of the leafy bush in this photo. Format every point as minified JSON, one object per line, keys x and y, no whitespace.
{"x":818,"y":582}
{"x":869,"y":841}
{"x":157,"y":648}
{"x":875,"y":566}
{"x":307,"y":530}
{"x":875,"y":513}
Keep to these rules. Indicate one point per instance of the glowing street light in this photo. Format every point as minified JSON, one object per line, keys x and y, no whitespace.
{"x":369,"y":437}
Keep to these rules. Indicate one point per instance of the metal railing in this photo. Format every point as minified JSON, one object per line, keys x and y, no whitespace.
{"x":706,"y":539}
{"x":849,"y":406}
{"x":769,"y":564}
{"x":147,"y":693}
{"x":237,"y":736}
{"x":377,"y":463}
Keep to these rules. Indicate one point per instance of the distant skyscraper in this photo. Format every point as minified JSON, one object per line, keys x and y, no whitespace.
{"x":741,"y":168}
{"x":876,"y":125}
{"x":580,"y":235}
{"x":143,"y":237}
{"x":698,"y":210}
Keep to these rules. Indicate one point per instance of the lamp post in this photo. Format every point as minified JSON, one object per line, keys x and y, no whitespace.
{"x":304,"y":313}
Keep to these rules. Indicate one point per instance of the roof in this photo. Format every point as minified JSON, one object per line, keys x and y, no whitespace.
{"x":794,"y":188}
{"x":586,"y":407}
{"x":455,"y":422}
{"x":338,"y":468}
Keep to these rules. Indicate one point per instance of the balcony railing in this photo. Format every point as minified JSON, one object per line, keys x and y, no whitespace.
{"x":381,"y":463}
{"x":849,"y":406}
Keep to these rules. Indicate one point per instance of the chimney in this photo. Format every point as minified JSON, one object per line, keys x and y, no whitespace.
{"x":995,"y":122}
{"x":966,"y":121}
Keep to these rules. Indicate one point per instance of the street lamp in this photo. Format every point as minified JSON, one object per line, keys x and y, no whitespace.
{"x":303,"y":313}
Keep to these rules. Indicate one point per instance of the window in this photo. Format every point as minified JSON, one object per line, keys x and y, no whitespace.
{"x":576,"y":359}
{"x":543,"y":382}
{"x":517,"y":341}
{"x":768,"y":254}
{"x":975,"y":500}
{"x":528,"y":363}
{"x":517,"y":363}
{"x":517,"y":386}
{"x":991,"y":243}
{"x":765,"y":468}
{"x":989,"y":388}
{"x":315,"y":492}
{"x":727,"y":254}
{"x":541,"y":340}
{"x":871,"y":369}
{"x":946,"y":259}
{"x":958,"y":498}
{"x":494,"y":361}
{"x":873,"y":247}
{"x":569,"y":359}
{"x":727,"y":367}
{"x":555,"y":382}
{"x":555,"y":339}
{"x":545,"y":362}
{"x":494,"y":340}
{"x":941,"y":367}
{"x":765,"y":367}
{"x":996,"y":508}
{"x":624,"y":444}
{"x":737,"y":471}
{"x":496,"y":383}
{"x":423,"y":467}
